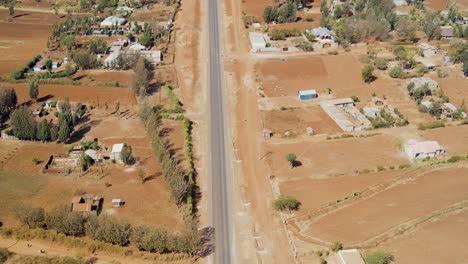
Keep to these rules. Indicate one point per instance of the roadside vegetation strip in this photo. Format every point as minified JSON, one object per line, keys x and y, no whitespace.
{"x":92,"y":246}
{"x":20,"y":74}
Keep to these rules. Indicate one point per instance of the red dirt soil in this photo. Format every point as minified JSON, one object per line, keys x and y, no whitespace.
{"x":399,"y":204}
{"x":442,"y":4}
{"x":453,"y":139}
{"x":256,"y":7}
{"x":23,"y":38}
{"x":84,"y":94}
{"x":314,"y":193}
{"x":444,"y":241}
{"x":335,"y":157}
{"x":297,"y":120}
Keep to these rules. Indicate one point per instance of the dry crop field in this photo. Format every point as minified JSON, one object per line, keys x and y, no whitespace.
{"x":23,"y":38}
{"x":295,"y":121}
{"x":368,"y":218}
{"x":78,"y":93}
{"x":323,"y":158}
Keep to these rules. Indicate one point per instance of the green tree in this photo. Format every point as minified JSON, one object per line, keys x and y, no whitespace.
{"x":43,"y":131}
{"x":97,"y":46}
{"x":126,"y":155}
{"x":32,"y":217}
{"x":431,"y":25}
{"x":64,"y":221}
{"x":368,"y":73}
{"x":145,"y":39}
{"x":453,"y":13}
{"x":324,"y":8}
{"x":33,"y":88}
{"x":406,"y":29}
{"x":291,"y":158}
{"x":85,"y":60}
{"x":65,"y":125}
{"x":286,"y":203}
{"x":68,"y":40}
{"x":23,"y":123}
{"x":85,"y":162}
{"x":270,"y":14}
{"x":8,"y":100}
{"x":337,"y":246}
{"x":141,"y":79}
{"x":109,"y":229}
{"x":287,"y":12}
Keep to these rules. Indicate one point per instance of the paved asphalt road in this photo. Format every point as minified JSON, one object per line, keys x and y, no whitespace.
{"x":219,"y":158}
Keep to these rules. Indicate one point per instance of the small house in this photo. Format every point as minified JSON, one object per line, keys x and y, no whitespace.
{"x":427,"y":49}
{"x":423,"y":149}
{"x":117,"y":202}
{"x":421,"y":81}
{"x":56,"y":64}
{"x":115,"y":152}
{"x":307,"y":95}
{"x":427,"y":104}
{"x":350,"y":256}
{"x":137,"y":46}
{"x":87,"y":204}
{"x":93,"y":154}
{"x":371,"y":112}
{"x":257,"y":41}
{"x":323,"y":35}
{"x":39,"y":66}
{"x":112,"y":21}
{"x":446,"y":31}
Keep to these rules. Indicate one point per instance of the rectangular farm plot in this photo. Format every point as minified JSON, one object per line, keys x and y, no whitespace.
{"x":315,"y":193}
{"x":444,"y":241}
{"x":23,"y":38}
{"x":415,"y":198}
{"x":453,"y":139}
{"x":285,"y":78}
{"x":296,"y":121}
{"x":336,"y":157}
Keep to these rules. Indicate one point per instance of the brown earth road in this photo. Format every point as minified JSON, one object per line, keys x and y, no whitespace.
{"x":270,"y":240}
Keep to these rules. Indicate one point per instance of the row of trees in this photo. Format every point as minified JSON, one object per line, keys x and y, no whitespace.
{"x":8,"y":101}
{"x":109,"y":229}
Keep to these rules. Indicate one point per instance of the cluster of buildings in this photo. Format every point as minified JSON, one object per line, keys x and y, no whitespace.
{"x":89,"y":204}
{"x":324,"y":38}
{"x":122,"y":48}
{"x":345,"y":114}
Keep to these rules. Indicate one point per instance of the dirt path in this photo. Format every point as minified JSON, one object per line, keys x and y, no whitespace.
{"x":21,"y":247}
{"x":261,"y":226}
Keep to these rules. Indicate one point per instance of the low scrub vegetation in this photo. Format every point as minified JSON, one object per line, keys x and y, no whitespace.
{"x":282,"y":34}
{"x":431,"y":125}
{"x":377,"y":257}
{"x":286,"y":203}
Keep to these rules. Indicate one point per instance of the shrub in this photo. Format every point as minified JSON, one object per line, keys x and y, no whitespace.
{"x":380,"y":168}
{"x":35,"y":161}
{"x":396,"y":72}
{"x":65,"y":222}
{"x":4,"y":255}
{"x":109,"y":229}
{"x":281,"y":34}
{"x":337,"y":246}
{"x":286,"y":203}
{"x":431,"y":125}
{"x":368,"y":73}
{"x":404,"y":166}
{"x":455,"y":159}
{"x":377,"y":257}
{"x":380,"y":64}
{"x":85,"y":60}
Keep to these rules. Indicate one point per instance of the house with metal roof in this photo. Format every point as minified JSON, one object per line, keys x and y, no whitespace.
{"x":423,"y":149}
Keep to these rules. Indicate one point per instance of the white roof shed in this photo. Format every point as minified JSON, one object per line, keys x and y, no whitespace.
{"x":257,"y":41}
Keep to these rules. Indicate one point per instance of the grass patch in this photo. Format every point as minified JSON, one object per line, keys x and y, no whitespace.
{"x":377,"y":257}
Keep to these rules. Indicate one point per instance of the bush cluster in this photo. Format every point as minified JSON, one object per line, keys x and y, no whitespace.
{"x":109,"y":229}
{"x":177,"y":106}
{"x":20,"y":74}
{"x":286,"y":203}
{"x":283,"y":33}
